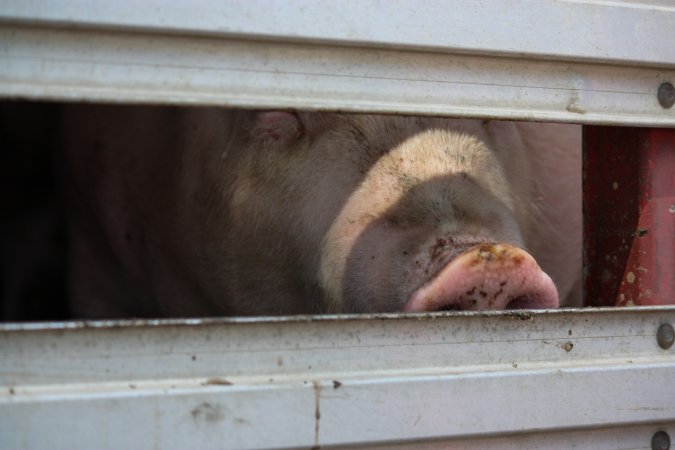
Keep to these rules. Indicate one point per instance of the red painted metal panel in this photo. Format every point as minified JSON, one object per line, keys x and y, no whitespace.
{"x":629,"y":216}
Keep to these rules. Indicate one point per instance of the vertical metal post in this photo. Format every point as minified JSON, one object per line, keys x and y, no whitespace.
{"x":629,"y":216}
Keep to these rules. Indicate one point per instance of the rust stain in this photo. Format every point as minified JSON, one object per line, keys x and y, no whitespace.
{"x":207,"y":412}
{"x":574,"y":108}
{"x":518,"y":315}
{"x":217,"y":381}
{"x":567,"y":346}
{"x":317,"y":413}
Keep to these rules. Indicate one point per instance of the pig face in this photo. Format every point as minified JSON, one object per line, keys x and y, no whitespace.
{"x":204,"y":211}
{"x":388,"y":213}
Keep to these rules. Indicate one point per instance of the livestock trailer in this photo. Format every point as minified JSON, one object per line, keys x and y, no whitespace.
{"x":600,"y":377}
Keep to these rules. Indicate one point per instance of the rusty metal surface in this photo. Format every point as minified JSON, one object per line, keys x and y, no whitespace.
{"x":629,"y":216}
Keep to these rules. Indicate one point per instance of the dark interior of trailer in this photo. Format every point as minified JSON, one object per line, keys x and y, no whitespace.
{"x":32,"y":267}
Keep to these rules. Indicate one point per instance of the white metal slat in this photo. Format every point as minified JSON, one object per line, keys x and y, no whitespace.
{"x":624,"y":32}
{"x":338,"y":381}
{"x":132,"y":55}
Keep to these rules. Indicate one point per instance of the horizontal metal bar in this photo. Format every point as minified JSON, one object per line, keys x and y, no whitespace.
{"x":357,"y":411}
{"x":289,"y":382}
{"x":125,"y":67}
{"x":626,"y":32}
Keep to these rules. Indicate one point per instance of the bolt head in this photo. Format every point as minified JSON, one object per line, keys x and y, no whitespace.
{"x":665,"y":336}
{"x":660,"y":441}
{"x":666,"y":95}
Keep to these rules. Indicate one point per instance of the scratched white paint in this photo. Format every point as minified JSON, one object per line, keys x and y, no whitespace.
{"x":353,"y":380}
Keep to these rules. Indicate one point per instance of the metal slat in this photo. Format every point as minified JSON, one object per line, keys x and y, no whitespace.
{"x":292,"y":382}
{"x":626,"y":32}
{"x":410,"y":60}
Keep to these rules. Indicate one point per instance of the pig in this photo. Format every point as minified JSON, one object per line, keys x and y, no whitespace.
{"x":187,"y":212}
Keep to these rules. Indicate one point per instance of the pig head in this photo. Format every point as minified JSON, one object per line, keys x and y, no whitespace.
{"x":200,"y":212}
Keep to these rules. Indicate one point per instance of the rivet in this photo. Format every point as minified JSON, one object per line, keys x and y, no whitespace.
{"x":660,"y":441}
{"x":665,"y":336}
{"x":666,"y":95}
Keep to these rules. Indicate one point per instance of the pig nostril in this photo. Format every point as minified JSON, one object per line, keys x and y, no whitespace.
{"x":450,"y":307}
{"x":524,"y":302}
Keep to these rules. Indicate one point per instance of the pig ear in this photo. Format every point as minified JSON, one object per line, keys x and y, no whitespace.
{"x":279,"y":126}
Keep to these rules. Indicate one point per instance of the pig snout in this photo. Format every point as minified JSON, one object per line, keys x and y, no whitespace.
{"x":487,"y":276}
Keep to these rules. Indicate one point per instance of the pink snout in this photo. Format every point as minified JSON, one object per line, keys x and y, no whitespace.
{"x":487,"y":276}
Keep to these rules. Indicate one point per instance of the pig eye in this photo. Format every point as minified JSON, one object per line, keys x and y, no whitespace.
{"x":280,"y":117}
{"x":279,"y":123}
